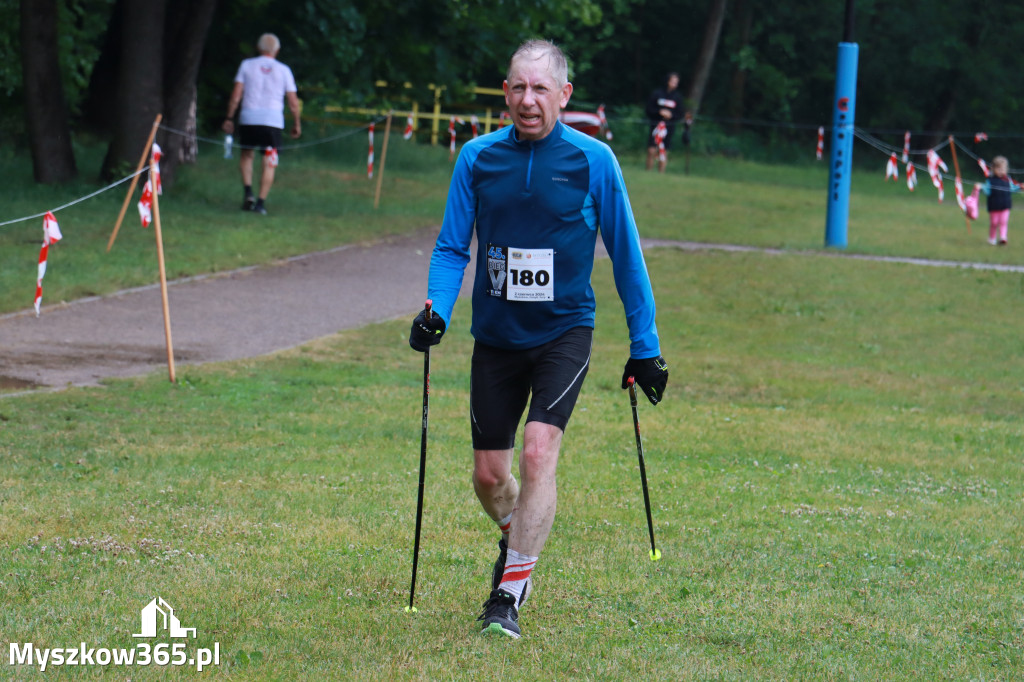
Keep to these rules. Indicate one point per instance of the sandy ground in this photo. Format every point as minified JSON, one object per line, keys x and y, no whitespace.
{"x":244,"y":313}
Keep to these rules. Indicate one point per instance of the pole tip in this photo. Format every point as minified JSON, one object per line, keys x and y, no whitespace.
{"x":655,"y":555}
{"x":411,"y":609}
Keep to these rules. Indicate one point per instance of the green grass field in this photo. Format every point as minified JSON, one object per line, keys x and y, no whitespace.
{"x":836,"y":474}
{"x":322,"y":199}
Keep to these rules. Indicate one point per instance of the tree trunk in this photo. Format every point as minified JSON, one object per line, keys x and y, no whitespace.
{"x":188,"y":23}
{"x":639,"y":75}
{"x":46,"y":110}
{"x":738,"y":87}
{"x":98,"y":108}
{"x":938,"y":123}
{"x":945,"y":108}
{"x":139,"y":96}
{"x":706,"y":58}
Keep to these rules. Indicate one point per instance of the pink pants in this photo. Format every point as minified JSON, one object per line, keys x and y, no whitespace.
{"x":998,"y":222}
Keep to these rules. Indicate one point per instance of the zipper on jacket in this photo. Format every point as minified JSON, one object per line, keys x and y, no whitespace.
{"x":529,"y":168}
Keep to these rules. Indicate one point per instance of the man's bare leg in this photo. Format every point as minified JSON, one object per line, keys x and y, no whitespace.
{"x":532,"y":500}
{"x":530,"y":505}
{"x":245,"y":166}
{"x":538,"y":493}
{"x":267,"y":179}
{"x":495,"y":486}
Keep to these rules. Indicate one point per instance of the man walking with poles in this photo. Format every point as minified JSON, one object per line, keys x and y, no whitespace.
{"x":535,"y":194}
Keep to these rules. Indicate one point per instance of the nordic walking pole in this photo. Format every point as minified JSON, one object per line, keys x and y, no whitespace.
{"x":423,"y":465}
{"x":135,"y":180}
{"x":655,"y":552}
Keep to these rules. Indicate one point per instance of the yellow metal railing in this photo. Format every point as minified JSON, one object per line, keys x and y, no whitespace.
{"x":489,"y":120}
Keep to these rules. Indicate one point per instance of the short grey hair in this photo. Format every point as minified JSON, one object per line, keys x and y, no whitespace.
{"x":558,"y":65}
{"x":268,"y":44}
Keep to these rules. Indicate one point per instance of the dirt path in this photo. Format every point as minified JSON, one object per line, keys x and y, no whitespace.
{"x":240,"y":314}
{"x":246,"y":313}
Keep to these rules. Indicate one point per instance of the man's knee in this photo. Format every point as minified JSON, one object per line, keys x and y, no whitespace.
{"x":486,"y":479}
{"x":491,"y":469}
{"x":539,"y":457}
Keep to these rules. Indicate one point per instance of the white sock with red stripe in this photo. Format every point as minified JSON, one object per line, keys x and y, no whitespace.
{"x":504,"y":525}
{"x":517,"y":574}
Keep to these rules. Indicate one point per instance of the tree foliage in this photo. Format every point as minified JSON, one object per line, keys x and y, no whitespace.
{"x":342,"y":48}
{"x":80,"y":27}
{"x":924,"y":66}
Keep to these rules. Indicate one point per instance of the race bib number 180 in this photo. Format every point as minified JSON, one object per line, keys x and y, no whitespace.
{"x":531,"y":275}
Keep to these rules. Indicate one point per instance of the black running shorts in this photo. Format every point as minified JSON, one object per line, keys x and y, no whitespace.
{"x":503,"y":380}
{"x":259,"y":137}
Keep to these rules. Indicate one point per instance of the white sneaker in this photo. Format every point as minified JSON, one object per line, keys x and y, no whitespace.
{"x":992,"y":241}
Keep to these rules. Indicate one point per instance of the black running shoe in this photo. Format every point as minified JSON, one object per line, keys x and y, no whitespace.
{"x":499,"y":565}
{"x":249,"y":203}
{"x":259,"y":208}
{"x":500,"y":616}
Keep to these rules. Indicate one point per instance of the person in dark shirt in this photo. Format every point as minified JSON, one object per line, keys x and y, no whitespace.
{"x":664,"y":106}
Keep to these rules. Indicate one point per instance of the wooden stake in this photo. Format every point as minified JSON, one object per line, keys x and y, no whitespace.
{"x":956,"y":169}
{"x":383,"y":158}
{"x":135,"y":180}
{"x":163,"y":275}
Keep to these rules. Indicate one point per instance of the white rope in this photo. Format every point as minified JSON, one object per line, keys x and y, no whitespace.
{"x":76,"y":201}
{"x":860,"y":133}
{"x":301,"y":145}
{"x":146,"y":168}
{"x":889,"y":149}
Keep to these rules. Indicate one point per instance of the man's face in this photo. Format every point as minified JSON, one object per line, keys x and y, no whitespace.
{"x":534,"y":97}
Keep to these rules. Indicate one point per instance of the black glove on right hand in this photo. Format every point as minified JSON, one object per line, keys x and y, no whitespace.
{"x":650,"y":374}
{"x":426,"y":332}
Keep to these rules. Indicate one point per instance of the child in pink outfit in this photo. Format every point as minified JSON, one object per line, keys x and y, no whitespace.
{"x":998,"y":189}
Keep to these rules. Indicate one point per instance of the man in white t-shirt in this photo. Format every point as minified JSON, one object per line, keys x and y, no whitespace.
{"x":262,"y":86}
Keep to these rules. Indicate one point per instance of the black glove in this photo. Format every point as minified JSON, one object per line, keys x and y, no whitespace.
{"x":426,"y":333}
{"x":651,"y":375}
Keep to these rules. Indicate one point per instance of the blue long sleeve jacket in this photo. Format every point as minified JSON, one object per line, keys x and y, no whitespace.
{"x":524,"y":198}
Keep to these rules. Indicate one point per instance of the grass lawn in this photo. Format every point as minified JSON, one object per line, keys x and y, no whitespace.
{"x":836,"y":474}
{"x":323,"y":199}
